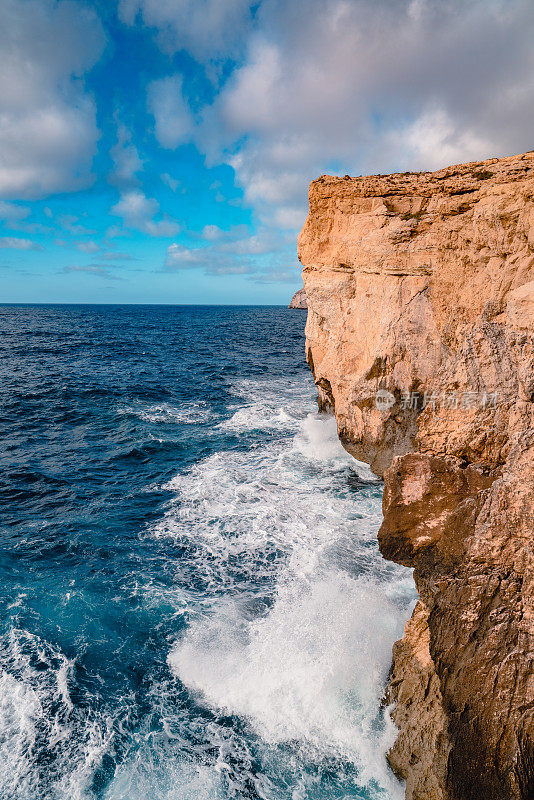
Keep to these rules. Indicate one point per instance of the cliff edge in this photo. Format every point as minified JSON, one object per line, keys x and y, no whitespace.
{"x":420,"y":328}
{"x":299,"y":300}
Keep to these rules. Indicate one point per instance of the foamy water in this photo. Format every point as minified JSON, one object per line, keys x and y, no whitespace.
{"x":44,"y":739}
{"x":186,"y":413}
{"x":309,"y":667}
{"x":193,"y":605}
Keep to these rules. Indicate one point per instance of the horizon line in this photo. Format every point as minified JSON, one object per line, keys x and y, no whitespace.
{"x":173,"y":305}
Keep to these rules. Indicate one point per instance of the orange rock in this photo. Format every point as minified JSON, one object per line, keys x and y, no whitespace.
{"x":420,"y":287}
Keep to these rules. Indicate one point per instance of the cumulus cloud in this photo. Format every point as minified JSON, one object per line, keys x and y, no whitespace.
{"x":211,"y":261}
{"x":208,"y":29}
{"x":138,"y":211}
{"x":341,"y":86}
{"x":173,"y":184}
{"x":371,"y":86}
{"x":235,"y":252}
{"x":171,"y":113}
{"x":300,"y":87}
{"x":12,"y":243}
{"x":71,"y":223}
{"x":212,"y":232}
{"x":181,"y":257}
{"x":48,"y":130}
{"x":87,"y":247}
{"x":135,"y":205}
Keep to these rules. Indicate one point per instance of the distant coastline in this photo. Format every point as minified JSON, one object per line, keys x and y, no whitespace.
{"x":299,"y":300}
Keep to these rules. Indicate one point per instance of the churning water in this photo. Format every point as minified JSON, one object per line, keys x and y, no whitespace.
{"x":193,"y":602}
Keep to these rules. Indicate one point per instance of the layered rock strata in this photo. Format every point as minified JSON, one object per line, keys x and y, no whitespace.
{"x":420,"y":328}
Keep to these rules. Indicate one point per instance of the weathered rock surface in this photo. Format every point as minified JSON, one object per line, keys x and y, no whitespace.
{"x":421,"y":287}
{"x":419,"y":755}
{"x":299,"y":300}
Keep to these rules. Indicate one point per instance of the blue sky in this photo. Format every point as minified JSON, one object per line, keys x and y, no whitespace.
{"x":160,"y":150}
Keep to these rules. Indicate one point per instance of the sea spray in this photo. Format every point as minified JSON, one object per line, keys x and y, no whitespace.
{"x":193,"y":604}
{"x":309,"y":667}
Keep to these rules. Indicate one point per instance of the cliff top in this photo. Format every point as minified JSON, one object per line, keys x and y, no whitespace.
{"x":468,"y":228}
{"x":470,"y":177}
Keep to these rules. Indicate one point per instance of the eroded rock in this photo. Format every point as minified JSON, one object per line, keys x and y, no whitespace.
{"x":299,"y":300}
{"x":420,"y":338}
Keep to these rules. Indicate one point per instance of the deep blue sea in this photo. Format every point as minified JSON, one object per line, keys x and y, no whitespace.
{"x":192,"y":601}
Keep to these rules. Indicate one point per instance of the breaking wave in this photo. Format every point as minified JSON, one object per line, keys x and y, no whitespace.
{"x":193,"y":605}
{"x":299,"y":612}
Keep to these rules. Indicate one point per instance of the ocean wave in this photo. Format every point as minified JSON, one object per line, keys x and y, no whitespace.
{"x":303,"y":659}
{"x":265,"y":405}
{"x":310,"y":672}
{"x":48,"y":747}
{"x":210,"y":637}
{"x":165,"y":413}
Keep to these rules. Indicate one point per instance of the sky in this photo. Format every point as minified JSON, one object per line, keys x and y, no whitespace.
{"x":160,"y":151}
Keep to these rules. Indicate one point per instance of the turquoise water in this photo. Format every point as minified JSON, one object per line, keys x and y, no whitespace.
{"x":192,"y":600}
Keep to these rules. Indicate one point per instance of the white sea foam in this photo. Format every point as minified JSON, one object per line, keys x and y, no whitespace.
{"x":47,"y":748}
{"x":261,"y":407}
{"x":170,"y":779}
{"x":186,"y":413}
{"x":310,"y":670}
{"x":258,"y":416}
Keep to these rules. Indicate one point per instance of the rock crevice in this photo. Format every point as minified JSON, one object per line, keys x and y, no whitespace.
{"x":420,"y":328}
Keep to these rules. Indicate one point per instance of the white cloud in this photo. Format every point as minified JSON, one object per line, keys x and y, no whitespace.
{"x":138,"y":211}
{"x":317,"y":86}
{"x":12,"y":243}
{"x":71,"y":223}
{"x":127,"y":163}
{"x":172,"y":183}
{"x":433,"y":141}
{"x":370,"y":86}
{"x":212,"y":233}
{"x":92,"y":269}
{"x":48,"y":130}
{"x":276,"y":276}
{"x":208,"y":29}
{"x":289,"y":217}
{"x":162,"y":227}
{"x":210,"y":260}
{"x":135,"y":205}
{"x":338,"y":86}
{"x":181,"y":257}
{"x":236,"y":252}
{"x":240,"y":242}
{"x":11,"y":212}
{"x":88,"y":247}
{"x":172,"y":116}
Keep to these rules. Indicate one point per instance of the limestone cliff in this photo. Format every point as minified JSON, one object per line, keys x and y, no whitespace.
{"x":420,"y":331}
{"x":299,"y":300}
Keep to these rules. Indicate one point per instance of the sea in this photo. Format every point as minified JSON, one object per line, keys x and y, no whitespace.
{"x":192,"y":601}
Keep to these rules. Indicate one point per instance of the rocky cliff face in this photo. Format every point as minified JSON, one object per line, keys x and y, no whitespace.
{"x":299,"y":300}
{"x":420,"y":337}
